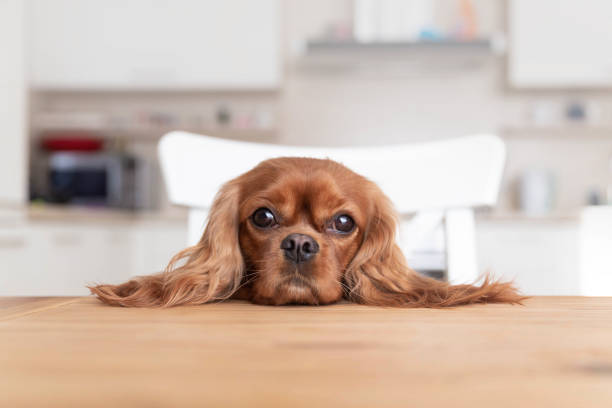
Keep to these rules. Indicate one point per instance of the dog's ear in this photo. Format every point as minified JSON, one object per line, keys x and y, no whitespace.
{"x":208,"y":271}
{"x":379,"y":275}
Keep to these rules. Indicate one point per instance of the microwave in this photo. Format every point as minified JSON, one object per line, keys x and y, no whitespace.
{"x":100,"y":179}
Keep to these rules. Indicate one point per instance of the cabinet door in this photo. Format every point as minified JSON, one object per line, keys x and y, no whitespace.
{"x":57,"y":259}
{"x":560,"y":43}
{"x":60,"y":260}
{"x":540,"y":257}
{"x":70,"y":257}
{"x":15,"y":262}
{"x":12,"y":104}
{"x":153,"y":244}
{"x":596,"y":251}
{"x":205,"y":44}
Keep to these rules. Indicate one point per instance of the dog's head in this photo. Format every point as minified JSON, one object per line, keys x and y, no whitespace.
{"x":301,"y":223}
{"x":297,"y":230}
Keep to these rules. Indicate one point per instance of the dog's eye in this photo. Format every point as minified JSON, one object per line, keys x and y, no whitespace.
{"x":263,"y":218}
{"x":343,"y":223}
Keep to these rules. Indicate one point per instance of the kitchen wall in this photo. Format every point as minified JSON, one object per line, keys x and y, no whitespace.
{"x":442,"y":96}
{"x":137,"y":114}
{"x":335,"y":97}
{"x":381,"y":98}
{"x":372,"y":99}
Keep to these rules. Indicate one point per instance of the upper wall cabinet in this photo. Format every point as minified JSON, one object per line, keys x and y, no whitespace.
{"x":13,"y":105}
{"x":560,"y":43}
{"x":154,"y":44}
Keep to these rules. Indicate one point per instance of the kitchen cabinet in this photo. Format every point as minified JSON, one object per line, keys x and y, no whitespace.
{"x":596,"y":251}
{"x":541,"y":256}
{"x":16,"y":260}
{"x":560,"y":43}
{"x":59,"y":258}
{"x":153,"y":244}
{"x":13,"y":101}
{"x":53,"y":259}
{"x":154,"y":44}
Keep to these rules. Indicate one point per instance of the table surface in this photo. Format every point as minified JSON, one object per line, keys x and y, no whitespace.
{"x":553,"y":351}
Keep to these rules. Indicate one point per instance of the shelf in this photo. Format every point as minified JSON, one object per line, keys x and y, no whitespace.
{"x":569,"y":131}
{"x":154,"y":133}
{"x":480,"y":45}
{"x":396,"y":58}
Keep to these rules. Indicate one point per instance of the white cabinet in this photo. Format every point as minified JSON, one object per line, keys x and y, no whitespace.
{"x":541,"y":256}
{"x":154,"y":244}
{"x":71,"y":257}
{"x":12,"y":105}
{"x":49,"y":259}
{"x":154,"y":44}
{"x":60,"y":259}
{"x":596,"y":251}
{"x":16,"y":260}
{"x":560,"y":43}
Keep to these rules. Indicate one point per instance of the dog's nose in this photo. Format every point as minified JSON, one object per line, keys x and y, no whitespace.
{"x":299,"y":248}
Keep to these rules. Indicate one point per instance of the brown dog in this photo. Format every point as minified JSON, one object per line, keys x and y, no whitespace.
{"x":298,"y":230}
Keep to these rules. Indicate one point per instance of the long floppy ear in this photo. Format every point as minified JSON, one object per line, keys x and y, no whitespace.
{"x":208,"y":271}
{"x":379,"y":275}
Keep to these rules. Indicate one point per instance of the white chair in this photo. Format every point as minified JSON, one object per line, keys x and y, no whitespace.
{"x":441,"y":182}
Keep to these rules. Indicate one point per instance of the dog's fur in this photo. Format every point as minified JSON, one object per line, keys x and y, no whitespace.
{"x":237,"y":259}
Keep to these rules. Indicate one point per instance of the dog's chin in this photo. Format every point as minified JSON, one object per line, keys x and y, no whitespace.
{"x":293,"y":285}
{"x":295,"y":289}
{"x":300,"y":290}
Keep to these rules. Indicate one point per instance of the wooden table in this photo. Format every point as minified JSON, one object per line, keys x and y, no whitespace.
{"x":554,"y":351}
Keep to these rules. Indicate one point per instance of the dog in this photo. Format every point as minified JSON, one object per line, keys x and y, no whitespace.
{"x":299,"y":231}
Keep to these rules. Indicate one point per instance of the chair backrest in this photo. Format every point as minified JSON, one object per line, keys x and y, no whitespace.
{"x":455,"y":173}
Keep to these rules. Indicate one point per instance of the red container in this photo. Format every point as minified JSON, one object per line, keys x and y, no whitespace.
{"x":72,"y":141}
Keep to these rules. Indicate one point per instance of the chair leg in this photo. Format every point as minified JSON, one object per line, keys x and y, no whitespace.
{"x":461,"y":260}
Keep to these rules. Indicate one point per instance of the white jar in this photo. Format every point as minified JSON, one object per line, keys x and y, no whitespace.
{"x":536,"y":192}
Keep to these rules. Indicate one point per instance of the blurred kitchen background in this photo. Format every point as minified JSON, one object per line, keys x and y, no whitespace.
{"x":87,"y":88}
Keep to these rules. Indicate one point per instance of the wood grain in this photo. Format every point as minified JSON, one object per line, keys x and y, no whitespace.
{"x":15,"y":306}
{"x":554,"y":352}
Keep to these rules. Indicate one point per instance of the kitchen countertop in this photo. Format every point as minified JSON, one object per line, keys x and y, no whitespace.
{"x":175,"y":214}
{"x":62,"y":213}
{"x":553,"y":351}
{"x":520,"y":217}
{"x":53,"y":213}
